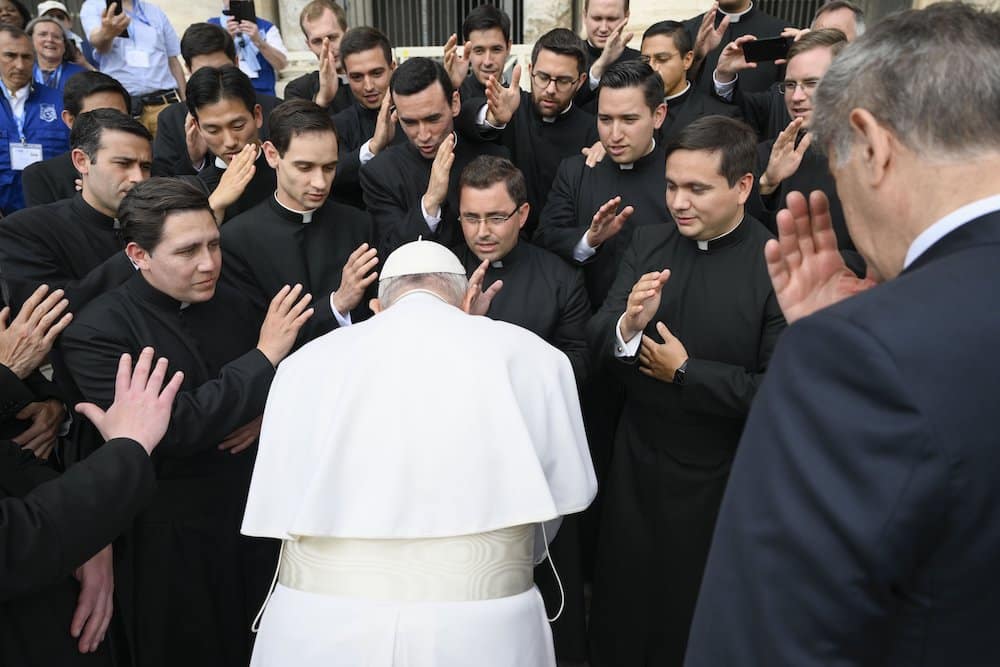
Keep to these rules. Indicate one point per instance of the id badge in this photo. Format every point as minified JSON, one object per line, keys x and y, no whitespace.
{"x":136,"y":58}
{"x":22,"y":155}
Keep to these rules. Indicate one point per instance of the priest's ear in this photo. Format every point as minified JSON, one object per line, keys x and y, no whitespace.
{"x":375,"y":306}
{"x":271,"y":154}
{"x":743,"y":187}
{"x":659,"y":115}
{"x":137,"y":255}
{"x":523,"y":211}
{"x":81,"y":161}
{"x":456,"y":104}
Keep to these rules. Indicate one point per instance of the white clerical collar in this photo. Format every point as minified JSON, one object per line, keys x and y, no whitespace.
{"x":675,"y":96}
{"x":307,"y":216}
{"x":221,"y":164}
{"x":704,"y":245}
{"x":948,"y":224}
{"x":625,"y":166}
{"x":735,"y":18}
{"x":497,"y":264}
{"x":552,"y":119}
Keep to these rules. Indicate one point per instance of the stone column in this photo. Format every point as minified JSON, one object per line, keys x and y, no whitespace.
{"x":540,"y":16}
{"x":288,"y":20}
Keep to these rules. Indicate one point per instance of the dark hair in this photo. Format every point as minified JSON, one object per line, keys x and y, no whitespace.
{"x":16,"y":32}
{"x":82,"y":85}
{"x":202,"y":39}
{"x":564,"y":42}
{"x":486,"y":170}
{"x":417,"y":74}
{"x":213,"y":84}
{"x":25,"y":17}
{"x":89,"y":127}
{"x":486,"y":17}
{"x":829,"y":38}
{"x":673,"y":29}
{"x":586,"y":5}
{"x":364,"y":38}
{"x":634,"y":74}
{"x":734,"y":140}
{"x":294,"y":117}
{"x":315,"y":9}
{"x":147,"y":205}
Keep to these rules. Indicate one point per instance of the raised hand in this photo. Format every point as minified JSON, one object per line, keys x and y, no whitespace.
{"x":95,"y":603}
{"x":709,"y":37}
{"x":501,"y":102}
{"x":807,"y":271}
{"x":357,"y":275}
{"x":30,"y":336}
{"x":613,"y":49}
{"x":606,"y":223}
{"x":456,"y":64}
{"x":477,"y":300}
{"x":594,"y":153}
{"x":140,"y":411}
{"x":285,"y":316}
{"x":385,"y":126}
{"x":785,"y":157}
{"x":234,"y":181}
{"x":437,"y":186}
{"x":661,"y":360}
{"x":733,"y":60}
{"x":329,"y":82}
{"x":114,"y":24}
{"x":643,"y":301}
{"x":196,"y":147}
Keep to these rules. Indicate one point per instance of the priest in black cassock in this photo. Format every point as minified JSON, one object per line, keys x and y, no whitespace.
{"x":224,"y":106}
{"x":744,"y":18}
{"x":543,"y":127}
{"x":789,"y":163}
{"x":485,"y":49}
{"x":689,"y":325}
{"x":667,"y":47}
{"x":54,"y":179}
{"x":75,"y":244}
{"x":541,"y":293}
{"x":366,"y":127}
{"x":606,"y":44}
{"x":188,"y":585}
{"x":323,"y":24}
{"x":590,"y":213}
{"x":411,"y":189}
{"x":299,"y":235}
{"x":178,"y":148}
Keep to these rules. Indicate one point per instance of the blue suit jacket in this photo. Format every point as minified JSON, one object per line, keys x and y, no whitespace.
{"x":861,"y":525}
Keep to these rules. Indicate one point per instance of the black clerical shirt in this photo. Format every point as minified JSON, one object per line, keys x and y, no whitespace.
{"x":260,"y":187}
{"x":586,"y":97}
{"x":355,"y":126}
{"x":687,"y":107}
{"x":49,"y":180}
{"x":306,"y":87}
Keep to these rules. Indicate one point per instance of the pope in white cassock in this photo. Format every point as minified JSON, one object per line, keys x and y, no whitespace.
{"x":415,"y":466}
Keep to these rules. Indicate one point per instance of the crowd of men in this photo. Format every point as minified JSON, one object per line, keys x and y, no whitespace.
{"x":622,"y":207}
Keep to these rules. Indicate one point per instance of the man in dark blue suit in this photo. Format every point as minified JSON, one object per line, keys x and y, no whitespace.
{"x":861,"y":522}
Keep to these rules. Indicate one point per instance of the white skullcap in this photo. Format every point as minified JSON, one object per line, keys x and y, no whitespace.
{"x":420,"y":257}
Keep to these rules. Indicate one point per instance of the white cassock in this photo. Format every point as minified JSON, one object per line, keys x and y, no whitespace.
{"x":408,"y":462}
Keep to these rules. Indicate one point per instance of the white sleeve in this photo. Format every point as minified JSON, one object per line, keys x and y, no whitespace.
{"x":582,"y":252}
{"x":482,"y":122}
{"x":623,"y":349}
{"x":273,"y":37}
{"x":432,"y":220}
{"x":341,"y":320}
{"x":593,"y":81}
{"x":365,"y":152}
{"x":90,"y":16}
{"x":725,"y":90}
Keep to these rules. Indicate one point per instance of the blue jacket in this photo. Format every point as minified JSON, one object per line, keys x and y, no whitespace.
{"x":42,"y":125}
{"x":264,"y":83}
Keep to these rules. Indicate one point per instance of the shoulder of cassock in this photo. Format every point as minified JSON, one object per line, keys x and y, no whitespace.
{"x":420,"y":422}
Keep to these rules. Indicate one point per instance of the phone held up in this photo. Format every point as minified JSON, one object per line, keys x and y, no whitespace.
{"x":767,"y":50}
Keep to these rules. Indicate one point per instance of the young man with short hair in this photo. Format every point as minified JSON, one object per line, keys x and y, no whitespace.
{"x":323,"y":23}
{"x":185,"y":549}
{"x":54,"y":179}
{"x":688,"y":326}
{"x":606,"y":44}
{"x":485,"y":48}
{"x":299,"y":235}
{"x":410,"y":189}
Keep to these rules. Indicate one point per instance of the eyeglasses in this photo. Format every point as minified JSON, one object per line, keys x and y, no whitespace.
{"x":469,"y":219}
{"x":788,"y":87}
{"x":543,"y":80}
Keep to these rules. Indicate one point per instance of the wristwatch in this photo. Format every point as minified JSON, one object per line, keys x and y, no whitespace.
{"x":681,"y":373}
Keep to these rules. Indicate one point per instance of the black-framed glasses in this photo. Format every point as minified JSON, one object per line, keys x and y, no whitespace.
{"x":788,"y":87}
{"x":497,"y":219}
{"x":543,"y":80}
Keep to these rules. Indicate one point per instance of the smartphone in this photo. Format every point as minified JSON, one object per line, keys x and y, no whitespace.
{"x":241,"y":10}
{"x":766,"y":50}
{"x":118,"y":10}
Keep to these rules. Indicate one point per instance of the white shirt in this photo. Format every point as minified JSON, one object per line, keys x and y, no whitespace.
{"x":948,"y":224}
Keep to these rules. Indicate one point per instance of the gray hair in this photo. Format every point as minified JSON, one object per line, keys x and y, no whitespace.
{"x":932,"y":76}
{"x":834,"y":5}
{"x":449,"y":286}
